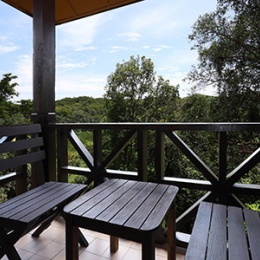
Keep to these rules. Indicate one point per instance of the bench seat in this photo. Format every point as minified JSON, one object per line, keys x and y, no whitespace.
{"x":224,"y":232}
{"x":27,"y":209}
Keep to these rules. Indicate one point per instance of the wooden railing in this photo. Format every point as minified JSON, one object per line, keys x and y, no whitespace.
{"x":217,"y":186}
{"x":217,"y":181}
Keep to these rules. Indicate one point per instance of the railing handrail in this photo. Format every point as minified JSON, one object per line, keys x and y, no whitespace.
{"x":186,"y":126}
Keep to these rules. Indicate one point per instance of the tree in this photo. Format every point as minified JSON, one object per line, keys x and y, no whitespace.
{"x":7,"y":91}
{"x":135,"y":94}
{"x":7,"y":88}
{"x":228,"y":46}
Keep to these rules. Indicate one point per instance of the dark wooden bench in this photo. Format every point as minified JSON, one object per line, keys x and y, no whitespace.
{"x":224,"y":232}
{"x":21,"y":151}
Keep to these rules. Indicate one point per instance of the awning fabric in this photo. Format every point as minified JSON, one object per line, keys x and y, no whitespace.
{"x":69,"y":10}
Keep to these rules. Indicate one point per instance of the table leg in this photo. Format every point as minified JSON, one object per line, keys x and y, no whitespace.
{"x":113,"y":244}
{"x":171,"y":233}
{"x":72,"y":238}
{"x":148,"y":247}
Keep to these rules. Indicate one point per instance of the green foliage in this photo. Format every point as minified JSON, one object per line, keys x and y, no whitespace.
{"x":80,"y":110}
{"x":254,"y":206}
{"x":7,"y":87}
{"x":135,"y":94}
{"x":196,"y":108}
{"x":227,"y":42}
{"x":7,"y":92}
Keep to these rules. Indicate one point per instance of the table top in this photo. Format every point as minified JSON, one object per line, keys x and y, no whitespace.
{"x":132,"y":204}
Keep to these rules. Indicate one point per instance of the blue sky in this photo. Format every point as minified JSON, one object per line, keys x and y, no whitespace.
{"x":88,"y":50}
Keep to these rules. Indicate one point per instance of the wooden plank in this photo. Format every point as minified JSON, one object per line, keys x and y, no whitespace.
{"x":91,"y":200}
{"x":245,"y":166}
{"x":112,"y":198}
{"x":29,"y":207}
{"x":81,"y":149}
{"x":20,"y":130}
{"x":31,"y":203}
{"x":51,"y":205}
{"x":253,"y":229}
{"x":199,"y":236}
{"x":114,"y":208}
{"x":237,"y":241}
{"x":217,"y":243}
{"x":140,"y":215}
{"x":22,"y":198}
{"x":16,"y":161}
{"x":160,"y":210}
{"x":118,"y":148}
{"x":54,"y":201}
{"x":72,"y":206}
{"x":127,"y":211}
{"x":9,"y":177}
{"x":193,"y":157}
{"x":21,"y":145}
{"x":250,"y":189}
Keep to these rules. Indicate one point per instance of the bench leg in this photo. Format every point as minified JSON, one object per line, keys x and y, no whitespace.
{"x":113,"y":244}
{"x":46,"y":223}
{"x":40,"y":229}
{"x":171,"y":234}
{"x":82,"y":240}
{"x":7,"y":245}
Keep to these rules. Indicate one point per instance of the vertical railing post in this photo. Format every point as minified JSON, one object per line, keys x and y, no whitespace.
{"x":62,"y":153}
{"x":142,"y":154}
{"x":97,"y":150}
{"x":51,"y":146}
{"x":49,"y":138}
{"x":222,"y":163}
{"x":21,"y":183}
{"x":159,"y":155}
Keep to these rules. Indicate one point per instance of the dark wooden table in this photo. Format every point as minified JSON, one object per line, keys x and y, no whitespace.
{"x":128,"y":209}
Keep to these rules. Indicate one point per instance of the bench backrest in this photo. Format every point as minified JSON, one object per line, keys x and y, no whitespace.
{"x":21,"y":152}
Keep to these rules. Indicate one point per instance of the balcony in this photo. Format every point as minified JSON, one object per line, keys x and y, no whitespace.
{"x":219,"y":181}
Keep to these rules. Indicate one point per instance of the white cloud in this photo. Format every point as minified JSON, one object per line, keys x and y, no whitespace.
{"x":23,"y":70}
{"x":130,"y":36}
{"x":4,"y":49}
{"x":81,"y":85}
{"x":79,"y":34}
{"x":87,"y":48}
{"x":7,"y":46}
{"x":118,"y":48}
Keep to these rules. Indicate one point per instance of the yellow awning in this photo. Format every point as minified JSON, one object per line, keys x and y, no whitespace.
{"x":69,"y":10}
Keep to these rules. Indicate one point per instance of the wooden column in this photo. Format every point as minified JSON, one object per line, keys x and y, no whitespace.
{"x":44,"y":77}
{"x":44,"y":57}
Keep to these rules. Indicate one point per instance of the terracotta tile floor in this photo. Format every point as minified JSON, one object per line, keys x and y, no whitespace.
{"x":51,"y":245}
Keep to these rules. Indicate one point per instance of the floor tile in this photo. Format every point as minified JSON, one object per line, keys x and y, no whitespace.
{"x":51,"y":246}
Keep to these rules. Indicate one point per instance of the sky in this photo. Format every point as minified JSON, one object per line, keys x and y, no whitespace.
{"x":87,"y":50}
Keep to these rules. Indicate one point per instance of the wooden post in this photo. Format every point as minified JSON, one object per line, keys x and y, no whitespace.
{"x":44,"y":75}
{"x":223,"y":167}
{"x":97,"y":154}
{"x":44,"y":56}
{"x":62,"y":154}
{"x":142,"y":155}
{"x":159,"y":156}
